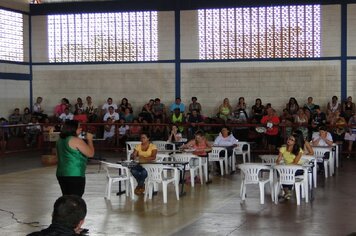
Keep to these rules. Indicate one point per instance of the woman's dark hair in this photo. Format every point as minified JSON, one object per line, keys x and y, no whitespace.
{"x":258,"y":99}
{"x":69,"y":210}
{"x":124,"y":99}
{"x":65,"y":100}
{"x":295,"y":102}
{"x":296,"y":146}
{"x":300,"y":140}
{"x":69,"y":129}
{"x":146,"y":134}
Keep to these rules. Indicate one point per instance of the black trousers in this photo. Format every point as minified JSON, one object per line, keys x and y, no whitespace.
{"x":72,"y":185}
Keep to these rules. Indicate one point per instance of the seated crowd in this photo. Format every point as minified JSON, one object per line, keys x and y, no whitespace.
{"x":154,"y":117}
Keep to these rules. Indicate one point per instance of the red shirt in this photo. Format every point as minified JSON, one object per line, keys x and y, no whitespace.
{"x":275,"y":120}
{"x":82,"y":118}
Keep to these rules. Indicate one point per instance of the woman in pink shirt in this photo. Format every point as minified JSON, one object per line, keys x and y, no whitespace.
{"x":59,"y":109}
{"x":199,"y":144}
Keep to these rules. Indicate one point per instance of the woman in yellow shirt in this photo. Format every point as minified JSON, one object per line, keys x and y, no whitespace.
{"x":144,"y":152}
{"x":291,"y":153}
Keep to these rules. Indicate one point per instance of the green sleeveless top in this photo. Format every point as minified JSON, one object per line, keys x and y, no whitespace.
{"x":71,"y":162}
{"x":178,"y":119}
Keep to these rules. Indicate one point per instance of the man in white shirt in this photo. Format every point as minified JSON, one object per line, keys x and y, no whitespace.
{"x":112,"y":114}
{"x":323,"y":138}
{"x":109,"y":103}
{"x":66,"y":115}
{"x":109,"y":130}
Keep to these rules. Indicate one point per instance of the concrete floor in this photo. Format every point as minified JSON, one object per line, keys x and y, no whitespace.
{"x":28,"y":191}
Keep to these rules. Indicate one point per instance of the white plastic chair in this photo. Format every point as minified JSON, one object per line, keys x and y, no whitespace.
{"x":238,"y":150}
{"x":118,"y":173}
{"x":195,"y":166}
{"x":162,"y":145}
{"x":287,"y":177}
{"x":155,"y":176}
{"x":319,"y":153}
{"x":269,"y":159}
{"x":163,"y":157}
{"x":130,"y":146}
{"x":251,"y":174}
{"x":312,"y":175}
{"x":214,"y":155}
{"x":336,"y":156}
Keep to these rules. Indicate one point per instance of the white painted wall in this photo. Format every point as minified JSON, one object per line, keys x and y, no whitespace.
{"x":13,"y":94}
{"x":273,"y":82}
{"x":351,"y":30}
{"x":137,"y":82}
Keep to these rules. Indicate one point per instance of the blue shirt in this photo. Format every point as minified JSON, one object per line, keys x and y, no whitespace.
{"x":175,"y":105}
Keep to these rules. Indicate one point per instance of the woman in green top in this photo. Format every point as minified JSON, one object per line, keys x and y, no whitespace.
{"x":225,"y":110}
{"x":72,"y":155}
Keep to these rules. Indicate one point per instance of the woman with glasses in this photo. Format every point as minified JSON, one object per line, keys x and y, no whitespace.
{"x":290,"y":153}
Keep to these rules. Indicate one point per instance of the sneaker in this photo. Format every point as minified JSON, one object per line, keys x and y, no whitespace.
{"x":288,"y":195}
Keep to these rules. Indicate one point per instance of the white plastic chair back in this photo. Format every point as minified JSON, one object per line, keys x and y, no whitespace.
{"x":214,"y":155}
{"x":269,"y":159}
{"x":130,"y":146}
{"x":287,"y":177}
{"x":154,"y":172}
{"x":312,"y":172}
{"x":163,"y":157}
{"x":184,"y":157}
{"x":240,"y":150}
{"x":287,"y":173}
{"x":164,"y":145}
{"x":195,"y":165}
{"x":116,"y":173}
{"x":319,"y":153}
{"x":336,"y":146}
{"x":155,"y":175}
{"x":251,"y":174}
{"x":241,"y":146}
